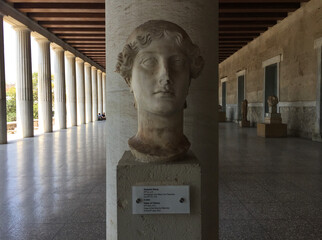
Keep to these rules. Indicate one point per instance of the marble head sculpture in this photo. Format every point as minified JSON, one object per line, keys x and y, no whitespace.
{"x":158,"y":62}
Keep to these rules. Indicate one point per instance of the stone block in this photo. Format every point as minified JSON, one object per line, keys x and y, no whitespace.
{"x":244,"y":123}
{"x":222,"y":116}
{"x":271,"y":130}
{"x":158,"y":226}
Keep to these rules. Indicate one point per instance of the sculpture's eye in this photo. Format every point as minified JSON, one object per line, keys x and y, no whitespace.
{"x":177,"y":61}
{"x":149,"y":62}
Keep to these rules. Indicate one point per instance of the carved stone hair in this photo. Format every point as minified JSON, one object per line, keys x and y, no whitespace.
{"x":142,"y":37}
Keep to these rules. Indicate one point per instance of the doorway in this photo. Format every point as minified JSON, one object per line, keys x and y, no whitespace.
{"x":271,"y":83}
{"x":223,"y":96}
{"x":240,"y":94}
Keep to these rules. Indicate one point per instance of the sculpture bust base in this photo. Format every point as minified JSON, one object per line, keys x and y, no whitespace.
{"x":145,"y":152}
{"x":130,"y":173}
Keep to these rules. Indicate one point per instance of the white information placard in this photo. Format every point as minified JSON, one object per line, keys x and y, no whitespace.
{"x":161,"y":199}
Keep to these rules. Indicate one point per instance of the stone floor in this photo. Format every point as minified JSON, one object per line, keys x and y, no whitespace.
{"x":269,"y":188}
{"x":53,"y":186}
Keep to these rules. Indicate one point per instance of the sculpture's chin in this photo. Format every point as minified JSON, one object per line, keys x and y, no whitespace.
{"x":148,"y":153}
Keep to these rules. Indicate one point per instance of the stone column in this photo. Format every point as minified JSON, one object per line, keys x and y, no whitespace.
{"x":88,"y":92}
{"x":80,"y":91}
{"x":104,"y":92}
{"x":24,"y":94}
{"x":99,"y":92}
{"x":59,"y":87}
{"x":94,"y":94}
{"x":71,"y":88}
{"x":3,"y":107}
{"x":197,"y":17}
{"x":44,"y":86}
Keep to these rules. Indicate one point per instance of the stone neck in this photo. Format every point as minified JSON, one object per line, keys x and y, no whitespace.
{"x":160,"y":130}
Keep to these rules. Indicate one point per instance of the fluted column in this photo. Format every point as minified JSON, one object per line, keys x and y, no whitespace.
{"x":80,"y":82}
{"x":99,"y":92}
{"x":24,"y":96}
{"x":44,"y":86}
{"x":94,"y":94}
{"x":59,"y":87}
{"x":104,"y":91}
{"x":88,"y":92}
{"x":3,"y":112}
{"x":71,"y":88}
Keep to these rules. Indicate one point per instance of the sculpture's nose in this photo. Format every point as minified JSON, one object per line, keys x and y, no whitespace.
{"x":164,"y":78}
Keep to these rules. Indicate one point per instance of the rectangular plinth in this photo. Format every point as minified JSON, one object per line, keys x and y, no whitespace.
{"x":244,"y":123}
{"x":271,"y":130}
{"x":222,"y":116}
{"x":131,"y":173}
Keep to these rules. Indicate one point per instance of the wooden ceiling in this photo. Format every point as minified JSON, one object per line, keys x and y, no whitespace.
{"x":81,"y":23}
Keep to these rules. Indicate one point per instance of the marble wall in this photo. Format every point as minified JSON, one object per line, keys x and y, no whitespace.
{"x":292,"y":42}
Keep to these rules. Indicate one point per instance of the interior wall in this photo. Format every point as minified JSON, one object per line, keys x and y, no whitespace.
{"x":292,"y":39}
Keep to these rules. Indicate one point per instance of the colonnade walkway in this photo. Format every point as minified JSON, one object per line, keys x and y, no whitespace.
{"x":53,"y":186}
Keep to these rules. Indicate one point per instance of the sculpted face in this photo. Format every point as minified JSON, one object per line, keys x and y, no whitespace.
{"x":160,"y":77}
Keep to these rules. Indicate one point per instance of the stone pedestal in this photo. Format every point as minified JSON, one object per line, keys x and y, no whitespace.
{"x":158,"y":226}
{"x":244,"y":123}
{"x":222,"y":116}
{"x":271,"y":130}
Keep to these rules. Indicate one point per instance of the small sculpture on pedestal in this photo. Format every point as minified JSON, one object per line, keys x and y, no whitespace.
{"x":244,"y":109}
{"x":272,"y":117}
{"x":158,"y":62}
{"x":272,"y":126}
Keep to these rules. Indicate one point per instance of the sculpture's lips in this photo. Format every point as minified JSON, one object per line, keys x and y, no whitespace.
{"x":164,"y":93}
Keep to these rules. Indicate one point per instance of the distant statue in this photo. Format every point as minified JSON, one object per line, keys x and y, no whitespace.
{"x":244,"y":109}
{"x":158,"y":62}
{"x":272,"y":117}
{"x":272,"y":104}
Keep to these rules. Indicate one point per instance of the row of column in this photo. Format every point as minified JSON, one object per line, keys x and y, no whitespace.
{"x":79,"y":88}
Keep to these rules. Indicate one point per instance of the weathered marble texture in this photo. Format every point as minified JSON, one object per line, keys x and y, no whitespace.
{"x":255,"y":114}
{"x":300,"y":120}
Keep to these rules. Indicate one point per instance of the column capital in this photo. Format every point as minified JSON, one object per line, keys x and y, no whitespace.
{"x":79,"y":60}
{"x":21,"y":28}
{"x":69,"y":54}
{"x":94,"y":68}
{"x":40,"y":39}
{"x":56,"y":47}
{"x":99,"y":71}
{"x":87,"y":64}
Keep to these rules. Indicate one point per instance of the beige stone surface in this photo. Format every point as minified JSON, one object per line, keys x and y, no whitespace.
{"x":198,"y":18}
{"x":160,"y":226}
{"x":293,"y":38}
